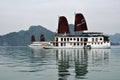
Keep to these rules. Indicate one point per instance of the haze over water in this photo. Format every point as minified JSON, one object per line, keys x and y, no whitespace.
{"x":23,"y":63}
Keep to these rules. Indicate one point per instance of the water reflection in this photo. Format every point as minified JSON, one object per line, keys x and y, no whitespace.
{"x":61,"y":64}
{"x":79,"y":60}
{"x":81,"y":63}
{"x":76,"y":59}
{"x":99,"y":57}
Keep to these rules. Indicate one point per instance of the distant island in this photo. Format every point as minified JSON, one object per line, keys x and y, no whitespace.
{"x":23,"y":38}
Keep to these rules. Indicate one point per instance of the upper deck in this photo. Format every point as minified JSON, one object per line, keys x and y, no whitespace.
{"x":85,"y":34}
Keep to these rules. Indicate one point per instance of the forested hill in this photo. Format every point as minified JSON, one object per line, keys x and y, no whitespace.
{"x":23,"y":38}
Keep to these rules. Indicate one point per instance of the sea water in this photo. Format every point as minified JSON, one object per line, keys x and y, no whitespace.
{"x":24,"y":63}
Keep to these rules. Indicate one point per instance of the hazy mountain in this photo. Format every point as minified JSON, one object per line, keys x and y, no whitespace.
{"x":115,"y":39}
{"x":23,"y":38}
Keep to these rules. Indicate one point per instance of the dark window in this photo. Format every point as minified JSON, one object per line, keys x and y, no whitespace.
{"x":56,"y":39}
{"x":64,"y":39}
{"x":67,"y":39}
{"x":74,"y":44}
{"x":85,"y":39}
{"x":81,"y":39}
{"x":81,"y":43}
{"x":77,"y":39}
{"x":74,"y":39}
{"x":100,"y":38}
{"x":61,"y":44}
{"x":61,"y":39}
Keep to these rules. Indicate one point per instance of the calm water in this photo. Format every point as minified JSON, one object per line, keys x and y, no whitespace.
{"x":23,"y":63}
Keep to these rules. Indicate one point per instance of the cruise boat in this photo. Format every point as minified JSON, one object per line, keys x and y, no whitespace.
{"x":81,"y":39}
{"x":38,"y":44}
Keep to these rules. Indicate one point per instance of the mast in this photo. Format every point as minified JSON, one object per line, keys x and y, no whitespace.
{"x":32,"y":38}
{"x":42,"y":38}
{"x":80,"y":23}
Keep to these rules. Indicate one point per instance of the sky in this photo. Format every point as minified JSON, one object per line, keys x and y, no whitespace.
{"x":100,"y":15}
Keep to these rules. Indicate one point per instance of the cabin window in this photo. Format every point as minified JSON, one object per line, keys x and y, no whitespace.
{"x":81,"y":39}
{"x":81,"y":43}
{"x":85,"y":39}
{"x":56,"y":39}
{"x":61,"y":39}
{"x":101,"y":42}
{"x":77,"y":39}
{"x":96,"y":39}
{"x":61,"y":44}
{"x":56,"y":44}
{"x":74,"y":39}
{"x":78,"y":44}
{"x":100,"y":38}
{"x":71,"y":39}
{"x":64,"y":39}
{"x":98,"y":43}
{"x":74,"y":44}
{"x":93,"y":39}
{"x":67,"y":39}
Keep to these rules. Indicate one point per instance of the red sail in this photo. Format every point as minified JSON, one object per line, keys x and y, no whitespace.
{"x":32,"y":38}
{"x":42,"y":38}
{"x":63,"y":26}
{"x":80,"y":23}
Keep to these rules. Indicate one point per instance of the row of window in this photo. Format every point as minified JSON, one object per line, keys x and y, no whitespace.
{"x":75,"y":44}
{"x":96,"y":39}
{"x":73,"y":39}
{"x":80,"y":44}
{"x":81,"y":39}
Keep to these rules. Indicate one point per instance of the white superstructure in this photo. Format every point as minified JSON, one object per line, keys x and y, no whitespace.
{"x":85,"y":40}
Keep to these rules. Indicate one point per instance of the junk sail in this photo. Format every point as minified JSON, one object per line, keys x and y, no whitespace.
{"x":63,"y":26}
{"x":80,"y":23}
{"x":42,"y":38}
{"x":32,"y":38}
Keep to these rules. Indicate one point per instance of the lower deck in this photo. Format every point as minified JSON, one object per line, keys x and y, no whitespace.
{"x":80,"y":44}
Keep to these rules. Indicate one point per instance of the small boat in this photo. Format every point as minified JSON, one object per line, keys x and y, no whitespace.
{"x":38,"y":44}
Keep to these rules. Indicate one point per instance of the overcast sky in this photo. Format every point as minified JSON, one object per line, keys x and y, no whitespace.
{"x":101,"y":15}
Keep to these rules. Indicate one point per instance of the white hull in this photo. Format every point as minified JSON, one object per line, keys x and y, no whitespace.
{"x":89,"y":46}
{"x":38,"y":45}
{"x":94,"y":46}
{"x":79,"y":47}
